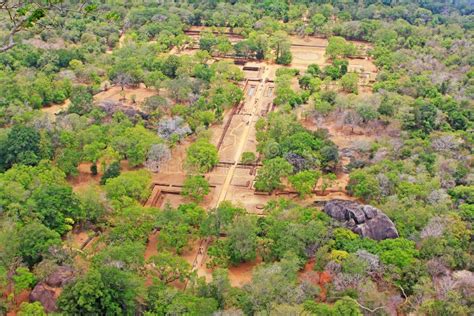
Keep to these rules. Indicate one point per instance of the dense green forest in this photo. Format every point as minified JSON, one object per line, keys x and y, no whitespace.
{"x":181,"y":157}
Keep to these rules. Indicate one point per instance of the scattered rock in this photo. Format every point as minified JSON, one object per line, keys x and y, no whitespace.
{"x":60,"y":277}
{"x":47,"y":291}
{"x":364,"y":220}
{"x":45,"y":295}
{"x":380,"y":155}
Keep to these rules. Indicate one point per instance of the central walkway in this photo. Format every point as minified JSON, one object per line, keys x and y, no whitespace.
{"x":257,"y":97}
{"x":254,"y":100}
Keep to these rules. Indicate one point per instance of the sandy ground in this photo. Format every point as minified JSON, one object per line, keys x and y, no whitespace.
{"x":305,"y":50}
{"x":242,"y":274}
{"x":152,"y":245}
{"x":197,"y":259}
{"x":85,"y":178}
{"x":344,"y":136}
{"x":116,"y":94}
{"x":311,"y":50}
{"x":56,"y":108}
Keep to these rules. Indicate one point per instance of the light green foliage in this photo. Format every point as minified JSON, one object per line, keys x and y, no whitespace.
{"x":195,"y":187}
{"x":418,"y":172}
{"x":282,"y":136}
{"x":134,"y":144}
{"x":318,"y":20}
{"x":81,"y":101}
{"x":126,"y":256}
{"x":363,"y":185}
{"x":93,"y":204}
{"x":224,"y":95}
{"x":17,"y":183}
{"x":290,"y":228}
{"x":349,"y":82}
{"x":168,"y":267}
{"x":201,"y":156}
{"x":23,"y":279}
{"x":399,"y":252}
{"x":219,"y":254}
{"x":339,"y":47}
{"x":174,"y":236}
{"x":248,"y":157}
{"x":164,"y":300}
{"x":219,"y":219}
{"x":132,"y":184}
{"x":225,"y":70}
{"x":285,"y":94}
{"x":56,"y":206}
{"x":31,"y":309}
{"x":179,"y":226}
{"x":93,"y":151}
{"x":337,"y":69}
{"x":367,"y":113}
{"x":269,"y":176}
{"x":463,"y":193}
{"x":132,"y":223}
{"x":185,"y":304}
{"x":304,"y":181}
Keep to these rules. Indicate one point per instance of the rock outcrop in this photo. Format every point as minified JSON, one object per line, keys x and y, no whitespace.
{"x":365,"y":220}
{"x":47,"y":291}
{"x":46,"y":295}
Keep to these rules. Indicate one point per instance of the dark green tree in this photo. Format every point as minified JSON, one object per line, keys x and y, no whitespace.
{"x":35,"y":239}
{"x":22,"y":145}
{"x":112,"y":171}
{"x":81,"y":100}
{"x":103,"y":291}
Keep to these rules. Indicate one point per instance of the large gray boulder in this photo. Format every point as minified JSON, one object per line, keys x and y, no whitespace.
{"x":365,"y":220}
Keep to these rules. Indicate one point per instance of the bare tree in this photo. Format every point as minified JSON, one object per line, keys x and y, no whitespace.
{"x":123,"y":80}
{"x":352,"y":118}
{"x":173,"y":126}
{"x":157,"y":155}
{"x":20,"y":15}
{"x":434,"y":228}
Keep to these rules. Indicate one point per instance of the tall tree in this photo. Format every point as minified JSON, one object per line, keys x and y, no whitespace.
{"x":22,"y":145}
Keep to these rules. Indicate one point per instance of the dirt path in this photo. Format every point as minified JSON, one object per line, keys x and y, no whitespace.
{"x":56,"y":108}
{"x":120,"y":42}
{"x":238,"y":137}
{"x":244,"y":136}
{"x":152,"y":245}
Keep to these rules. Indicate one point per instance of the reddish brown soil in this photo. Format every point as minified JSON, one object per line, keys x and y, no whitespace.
{"x":19,"y":299}
{"x":85,"y":178}
{"x":152,"y":245}
{"x":316,"y":278}
{"x":56,"y":108}
{"x":76,"y":240}
{"x":191,"y":255}
{"x":116,"y":94}
{"x":242,"y":274}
